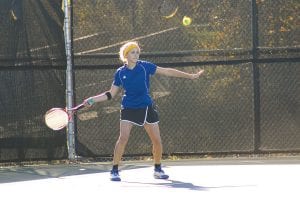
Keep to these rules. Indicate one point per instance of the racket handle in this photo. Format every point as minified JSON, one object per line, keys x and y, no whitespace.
{"x":78,"y":107}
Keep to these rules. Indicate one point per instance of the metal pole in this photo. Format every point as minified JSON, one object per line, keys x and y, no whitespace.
{"x":69,"y":81}
{"x":256,"y":82}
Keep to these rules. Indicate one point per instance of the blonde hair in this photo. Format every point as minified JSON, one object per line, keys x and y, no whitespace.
{"x":126,"y":48}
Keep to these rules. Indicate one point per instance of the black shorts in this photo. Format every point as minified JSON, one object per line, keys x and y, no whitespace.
{"x":140,"y":116}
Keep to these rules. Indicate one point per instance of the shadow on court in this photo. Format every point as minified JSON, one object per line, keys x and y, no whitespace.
{"x":186,"y":185}
{"x":17,"y":174}
{"x":171,"y":184}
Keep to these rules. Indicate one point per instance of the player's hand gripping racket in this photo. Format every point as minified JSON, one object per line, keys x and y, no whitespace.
{"x":58,"y":118}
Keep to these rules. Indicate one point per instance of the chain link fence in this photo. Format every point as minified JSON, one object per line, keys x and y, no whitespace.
{"x":280,"y":108}
{"x":247,"y":101}
{"x":219,"y":30}
{"x":211,"y":114}
{"x":220,"y":111}
{"x":32,"y":79}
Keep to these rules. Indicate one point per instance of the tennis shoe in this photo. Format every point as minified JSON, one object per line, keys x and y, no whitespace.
{"x":160,"y":174}
{"x":114,"y":175}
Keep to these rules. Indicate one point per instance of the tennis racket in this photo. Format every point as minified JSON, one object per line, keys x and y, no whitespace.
{"x":168,"y":8}
{"x":58,"y":118}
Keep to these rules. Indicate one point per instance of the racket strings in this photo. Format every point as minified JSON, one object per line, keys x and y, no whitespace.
{"x":58,"y":118}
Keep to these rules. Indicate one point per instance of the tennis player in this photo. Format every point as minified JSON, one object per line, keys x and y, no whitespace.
{"x":137,"y":106}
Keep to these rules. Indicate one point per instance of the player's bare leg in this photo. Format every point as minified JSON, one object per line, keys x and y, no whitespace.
{"x":157,"y":149}
{"x":125,"y":128}
{"x":154,"y":134}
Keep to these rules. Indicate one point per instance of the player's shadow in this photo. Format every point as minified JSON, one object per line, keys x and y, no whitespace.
{"x":173,"y":184}
{"x":185,"y":185}
{"x":180,"y":184}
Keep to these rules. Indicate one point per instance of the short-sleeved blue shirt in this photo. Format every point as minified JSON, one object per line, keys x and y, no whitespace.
{"x":136,"y":84}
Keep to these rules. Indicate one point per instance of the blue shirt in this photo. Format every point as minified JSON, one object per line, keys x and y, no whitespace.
{"x":136,"y":84}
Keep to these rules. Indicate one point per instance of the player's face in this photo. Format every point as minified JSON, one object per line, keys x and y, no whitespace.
{"x":133,"y":56}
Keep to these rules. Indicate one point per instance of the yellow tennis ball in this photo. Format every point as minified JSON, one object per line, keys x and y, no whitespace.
{"x":186,"y":21}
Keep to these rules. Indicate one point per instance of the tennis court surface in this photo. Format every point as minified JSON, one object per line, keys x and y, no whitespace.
{"x":239,"y":178}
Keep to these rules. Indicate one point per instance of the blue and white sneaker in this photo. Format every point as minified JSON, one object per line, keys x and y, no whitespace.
{"x":114,"y":175}
{"x":160,"y":174}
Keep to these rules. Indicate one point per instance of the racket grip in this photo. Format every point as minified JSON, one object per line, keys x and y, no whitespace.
{"x":80,"y":106}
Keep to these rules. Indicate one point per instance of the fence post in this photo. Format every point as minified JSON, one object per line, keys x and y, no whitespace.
{"x":69,"y":80}
{"x":256,"y":82}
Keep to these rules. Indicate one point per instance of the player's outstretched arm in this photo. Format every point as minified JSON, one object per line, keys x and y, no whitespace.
{"x":177,"y":73}
{"x":107,"y":95}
